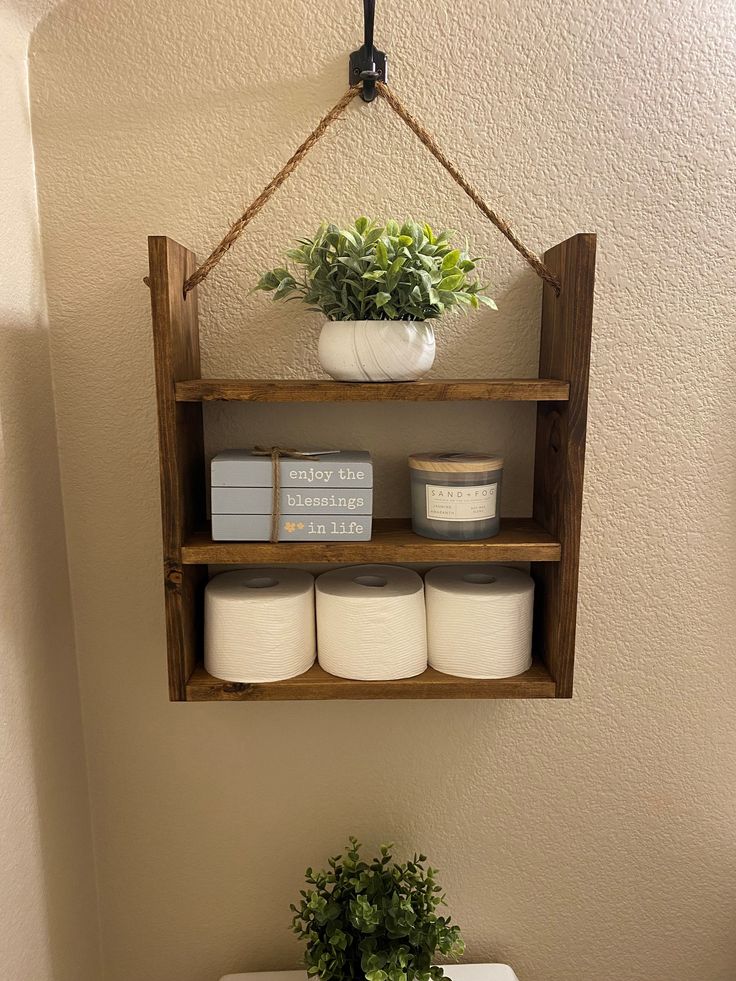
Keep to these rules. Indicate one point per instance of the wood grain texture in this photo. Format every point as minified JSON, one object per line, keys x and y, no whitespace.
{"x":181,"y":450}
{"x":560,"y":450}
{"x":520,"y":540}
{"x":317,"y":684}
{"x":288,"y":390}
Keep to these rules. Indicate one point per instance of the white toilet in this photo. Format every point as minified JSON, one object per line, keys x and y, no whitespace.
{"x":454,"y":972}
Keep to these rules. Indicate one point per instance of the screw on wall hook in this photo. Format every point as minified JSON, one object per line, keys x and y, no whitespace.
{"x":368,"y":65}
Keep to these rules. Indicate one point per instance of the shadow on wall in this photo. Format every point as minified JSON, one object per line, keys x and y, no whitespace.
{"x":45,"y":797}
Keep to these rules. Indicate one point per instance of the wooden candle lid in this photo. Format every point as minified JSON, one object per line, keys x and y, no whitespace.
{"x":455,"y":462}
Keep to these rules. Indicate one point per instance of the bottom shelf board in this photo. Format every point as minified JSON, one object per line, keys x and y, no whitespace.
{"x":318,"y":684}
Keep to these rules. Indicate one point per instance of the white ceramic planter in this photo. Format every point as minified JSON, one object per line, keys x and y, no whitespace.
{"x":376,"y":350}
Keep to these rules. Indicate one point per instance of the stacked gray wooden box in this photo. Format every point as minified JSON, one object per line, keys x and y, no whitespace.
{"x":326,"y":497}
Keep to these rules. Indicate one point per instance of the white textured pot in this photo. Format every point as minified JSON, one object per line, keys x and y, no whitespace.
{"x":376,"y":350}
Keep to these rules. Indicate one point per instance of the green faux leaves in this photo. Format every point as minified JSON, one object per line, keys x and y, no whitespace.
{"x":378,"y":272}
{"x":374,"y":920}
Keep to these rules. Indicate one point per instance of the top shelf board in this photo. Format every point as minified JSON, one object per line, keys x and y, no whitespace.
{"x":298,"y":390}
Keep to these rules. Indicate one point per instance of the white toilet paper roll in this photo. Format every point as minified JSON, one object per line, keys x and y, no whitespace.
{"x":479,"y":620}
{"x":371,"y":623}
{"x":259,"y":624}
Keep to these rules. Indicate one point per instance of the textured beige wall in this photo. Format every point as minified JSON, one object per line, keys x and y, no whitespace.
{"x":591,"y":839}
{"x":48,"y":917}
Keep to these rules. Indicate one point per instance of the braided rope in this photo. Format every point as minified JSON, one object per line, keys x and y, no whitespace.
{"x":237,"y":228}
{"x":391,"y":99}
{"x":431,"y":144}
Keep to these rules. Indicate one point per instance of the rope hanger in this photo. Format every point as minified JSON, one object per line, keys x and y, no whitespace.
{"x":370,"y":65}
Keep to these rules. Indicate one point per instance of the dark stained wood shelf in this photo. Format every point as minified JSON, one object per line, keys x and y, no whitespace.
{"x":291,"y":390}
{"x":318,"y":684}
{"x":520,"y":540}
{"x":549,"y":540}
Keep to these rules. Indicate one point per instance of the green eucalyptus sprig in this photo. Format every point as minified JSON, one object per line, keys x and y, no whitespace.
{"x":374,"y":920}
{"x":378,"y":272}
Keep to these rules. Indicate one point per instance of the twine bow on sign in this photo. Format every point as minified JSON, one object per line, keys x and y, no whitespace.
{"x":276,"y":452}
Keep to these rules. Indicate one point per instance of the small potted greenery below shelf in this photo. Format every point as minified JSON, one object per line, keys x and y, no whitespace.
{"x":380,"y":287}
{"x":374,"y":920}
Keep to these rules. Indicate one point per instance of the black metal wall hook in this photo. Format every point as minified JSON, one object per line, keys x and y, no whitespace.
{"x":368,"y":64}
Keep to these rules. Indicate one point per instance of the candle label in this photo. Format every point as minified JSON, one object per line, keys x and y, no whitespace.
{"x":473,"y":503}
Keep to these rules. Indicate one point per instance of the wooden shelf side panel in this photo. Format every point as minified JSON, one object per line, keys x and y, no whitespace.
{"x":181,"y":449}
{"x":560,"y":450}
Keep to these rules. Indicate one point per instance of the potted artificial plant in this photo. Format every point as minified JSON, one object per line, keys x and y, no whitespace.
{"x":380,"y":287}
{"x":374,"y":920}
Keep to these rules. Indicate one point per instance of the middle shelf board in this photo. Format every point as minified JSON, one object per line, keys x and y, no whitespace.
{"x":393,"y":541}
{"x":318,"y":390}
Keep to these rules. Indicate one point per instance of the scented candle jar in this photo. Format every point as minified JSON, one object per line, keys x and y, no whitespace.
{"x":455,"y":496}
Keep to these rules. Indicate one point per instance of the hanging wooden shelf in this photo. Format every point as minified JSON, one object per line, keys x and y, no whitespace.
{"x":549,"y":539}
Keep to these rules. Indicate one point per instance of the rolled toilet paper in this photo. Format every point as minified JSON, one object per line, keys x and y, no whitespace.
{"x":371,"y":623}
{"x":479,"y":620}
{"x":259,"y":624}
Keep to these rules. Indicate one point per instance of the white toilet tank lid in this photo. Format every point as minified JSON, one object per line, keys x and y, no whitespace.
{"x":454,"y":972}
